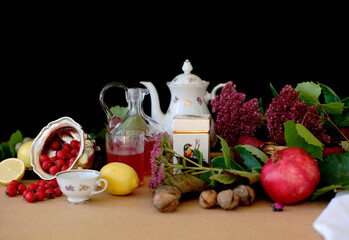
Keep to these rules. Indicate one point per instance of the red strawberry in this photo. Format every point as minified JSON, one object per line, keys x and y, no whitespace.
{"x":53,"y":183}
{"x":21,"y":188}
{"x":11,"y":190}
{"x":57,"y":191}
{"x":64,"y":167}
{"x":61,"y":154}
{"x":46,"y":165}
{"x":67,"y":148}
{"x":15,"y":182}
{"x":54,"y":169}
{"x":40,"y":195}
{"x":55,"y":145}
{"x":25,"y":193}
{"x":43,"y":158}
{"x":32,"y":187}
{"x":30,"y":197}
{"x":74,"y":144}
{"x":74,"y":152}
{"x":49,"y":193}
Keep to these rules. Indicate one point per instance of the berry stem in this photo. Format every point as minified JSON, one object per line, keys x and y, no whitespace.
{"x":327,"y":118}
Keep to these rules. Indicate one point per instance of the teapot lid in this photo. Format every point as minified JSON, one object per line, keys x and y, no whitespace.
{"x":187,"y":78}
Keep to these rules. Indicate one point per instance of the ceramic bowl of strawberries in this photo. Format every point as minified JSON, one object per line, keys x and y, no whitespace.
{"x":61,"y":146}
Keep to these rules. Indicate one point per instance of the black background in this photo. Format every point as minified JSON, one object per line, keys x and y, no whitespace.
{"x":56,"y":59}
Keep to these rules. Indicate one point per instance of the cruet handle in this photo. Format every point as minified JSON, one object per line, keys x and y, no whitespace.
{"x":102,"y":93}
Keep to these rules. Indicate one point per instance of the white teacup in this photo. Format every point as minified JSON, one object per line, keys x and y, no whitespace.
{"x":79,"y":184}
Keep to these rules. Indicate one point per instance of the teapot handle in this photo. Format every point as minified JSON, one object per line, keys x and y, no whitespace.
{"x":212,"y":95}
{"x":102,"y":93}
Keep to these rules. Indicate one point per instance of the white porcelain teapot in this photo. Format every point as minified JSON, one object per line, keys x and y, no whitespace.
{"x":188,"y":96}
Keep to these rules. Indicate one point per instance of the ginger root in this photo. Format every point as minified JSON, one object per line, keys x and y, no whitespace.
{"x":166,"y":197}
{"x":186,"y":183}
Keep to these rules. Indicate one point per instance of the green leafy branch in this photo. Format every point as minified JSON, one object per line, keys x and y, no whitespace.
{"x":116,"y":111}
{"x":8,"y":149}
{"x":333,"y":108}
{"x":224,"y":169}
{"x":334,"y":169}
{"x":334,"y":174}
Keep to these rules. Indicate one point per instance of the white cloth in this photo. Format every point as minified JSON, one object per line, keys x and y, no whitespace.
{"x":333,"y":222}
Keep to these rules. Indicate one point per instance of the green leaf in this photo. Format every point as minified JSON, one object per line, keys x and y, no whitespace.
{"x":249,"y":160}
{"x":135,"y":123}
{"x":342,"y":120}
{"x":297,"y":135}
{"x":275,"y":93}
{"x":252,"y":177}
{"x":256,"y":152}
{"x":333,"y":108}
{"x":309,"y":92}
{"x":206,"y":178}
{"x":257,"y":170}
{"x":345,"y":100}
{"x":199,"y":156}
{"x":345,"y":145}
{"x":260,"y":106}
{"x":15,"y":138}
{"x":335,"y":170}
{"x":225,"y":178}
{"x":329,"y":94}
{"x":219,"y":162}
{"x":226,"y":152}
{"x":119,"y":111}
{"x":321,"y":191}
{"x":5,"y":150}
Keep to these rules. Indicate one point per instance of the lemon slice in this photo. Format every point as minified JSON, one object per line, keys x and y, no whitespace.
{"x":11,"y":169}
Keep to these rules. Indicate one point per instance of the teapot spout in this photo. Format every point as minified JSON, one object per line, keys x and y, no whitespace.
{"x":156,"y":112}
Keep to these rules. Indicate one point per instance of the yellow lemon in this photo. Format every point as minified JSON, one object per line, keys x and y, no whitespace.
{"x":122,"y":179}
{"x":11,"y":169}
{"x":24,"y":153}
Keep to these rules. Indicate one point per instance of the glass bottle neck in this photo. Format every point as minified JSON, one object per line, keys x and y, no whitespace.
{"x":135,"y":101}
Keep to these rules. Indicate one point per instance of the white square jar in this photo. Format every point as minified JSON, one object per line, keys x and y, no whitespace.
{"x":190,"y":132}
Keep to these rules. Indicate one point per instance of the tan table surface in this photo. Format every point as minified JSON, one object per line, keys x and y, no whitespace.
{"x":133,"y":217}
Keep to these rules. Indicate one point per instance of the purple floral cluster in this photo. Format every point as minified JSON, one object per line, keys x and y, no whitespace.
{"x":158,"y":158}
{"x":287,"y":106}
{"x":234,"y":116}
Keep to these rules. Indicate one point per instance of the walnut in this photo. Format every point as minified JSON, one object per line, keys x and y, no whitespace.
{"x":165,"y":202}
{"x":246,"y":194}
{"x":169,"y":189}
{"x":208,"y":198}
{"x":228,"y":199}
{"x":166,"y":198}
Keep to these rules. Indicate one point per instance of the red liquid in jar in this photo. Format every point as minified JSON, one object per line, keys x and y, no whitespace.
{"x":148,"y":147}
{"x":136,"y":161}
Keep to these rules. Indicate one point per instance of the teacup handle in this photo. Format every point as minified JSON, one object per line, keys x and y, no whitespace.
{"x":99,"y":184}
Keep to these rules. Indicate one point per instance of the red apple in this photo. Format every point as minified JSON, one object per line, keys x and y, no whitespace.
{"x":290,"y":175}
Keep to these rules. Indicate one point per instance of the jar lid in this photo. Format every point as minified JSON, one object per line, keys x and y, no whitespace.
{"x":187,"y":78}
{"x":191,"y":123}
